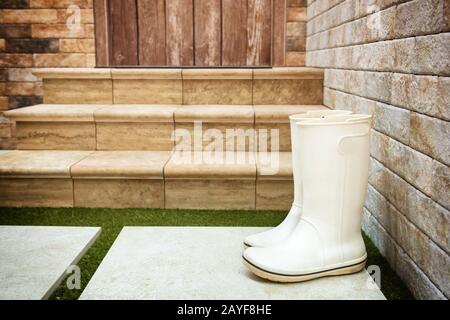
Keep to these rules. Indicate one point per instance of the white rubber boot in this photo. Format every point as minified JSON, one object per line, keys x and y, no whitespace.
{"x":334,"y":165}
{"x":283,"y":230}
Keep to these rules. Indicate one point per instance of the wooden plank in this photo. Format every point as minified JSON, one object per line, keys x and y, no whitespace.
{"x":207,"y":17}
{"x":102,"y":44}
{"x":124,"y":32}
{"x":279,"y":33}
{"x":152,"y":32}
{"x":234,"y":32}
{"x":180,"y":32}
{"x":259,"y":33}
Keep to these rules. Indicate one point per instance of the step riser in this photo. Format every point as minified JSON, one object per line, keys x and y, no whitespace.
{"x":146,"y":91}
{"x":284,"y":92}
{"x":146,"y":179}
{"x":236,"y":92}
{"x":210,"y":194}
{"x":56,"y":136}
{"x":75,"y":91}
{"x":37,"y":192}
{"x":146,"y":136}
{"x":274,"y":194}
{"x":118,"y":193}
{"x":134,"y":136}
{"x":187,"y":92}
{"x":143,"y":193}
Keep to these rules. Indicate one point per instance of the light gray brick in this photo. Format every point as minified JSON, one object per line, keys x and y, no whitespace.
{"x":419,"y":17}
{"x":392,"y":121}
{"x":377,"y":85}
{"x":431,"y":136}
{"x":432,"y":55}
{"x":405,"y":54}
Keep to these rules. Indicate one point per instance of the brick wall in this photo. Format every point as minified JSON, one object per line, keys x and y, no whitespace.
{"x":296,"y":32}
{"x":391,"y":58}
{"x":34,"y":34}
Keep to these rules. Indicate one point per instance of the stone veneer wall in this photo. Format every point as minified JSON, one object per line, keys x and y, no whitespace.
{"x":33,"y":34}
{"x":295,"y":32}
{"x":391,"y":58}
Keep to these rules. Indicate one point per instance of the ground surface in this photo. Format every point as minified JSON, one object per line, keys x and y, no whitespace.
{"x":203,"y":263}
{"x":112,"y":221}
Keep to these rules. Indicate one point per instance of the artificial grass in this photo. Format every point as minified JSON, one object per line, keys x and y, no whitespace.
{"x":112,"y":220}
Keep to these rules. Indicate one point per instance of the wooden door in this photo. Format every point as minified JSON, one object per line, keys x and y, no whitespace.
{"x":203,"y":33}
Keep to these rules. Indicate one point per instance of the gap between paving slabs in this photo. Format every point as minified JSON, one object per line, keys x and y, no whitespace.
{"x":112,"y":220}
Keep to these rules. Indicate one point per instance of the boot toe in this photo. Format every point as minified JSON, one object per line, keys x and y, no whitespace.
{"x":264,"y":259}
{"x":253,"y":241}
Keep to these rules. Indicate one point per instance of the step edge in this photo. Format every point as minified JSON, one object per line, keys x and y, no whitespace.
{"x":71,"y":73}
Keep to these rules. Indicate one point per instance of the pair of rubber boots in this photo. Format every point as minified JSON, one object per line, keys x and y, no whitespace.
{"x":321,"y":235}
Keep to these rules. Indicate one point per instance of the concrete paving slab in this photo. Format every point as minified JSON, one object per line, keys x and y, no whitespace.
{"x":33,"y":260}
{"x":201,"y":263}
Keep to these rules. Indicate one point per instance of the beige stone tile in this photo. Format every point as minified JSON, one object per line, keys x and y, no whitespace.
{"x":281,"y":113}
{"x":29,"y":16}
{"x":23,"y":88}
{"x":77,"y":45}
{"x":59,"y":4}
{"x":118,"y":193}
{"x":274,"y":184}
{"x":274,"y":194}
{"x":78,"y":91}
{"x":217,"y":74}
{"x":273,"y":136}
{"x":39,"y":192}
{"x":215,"y":114}
{"x":155,"y":136}
{"x":59,"y":60}
{"x":217,"y":92}
{"x":122,"y":164}
{"x":56,"y":135}
{"x":72,"y":73}
{"x":39,"y":164}
{"x":201,"y":181}
{"x":54,"y":112}
{"x":156,"y":91}
{"x":218,"y":136}
{"x":210,"y":165}
{"x":140,"y":127}
{"x":288,"y":91}
{"x":288,"y":73}
{"x":61,"y":31}
{"x":147,"y":74}
{"x":274,"y":166}
{"x":228,"y":126}
{"x":295,"y":59}
{"x":210,"y":194}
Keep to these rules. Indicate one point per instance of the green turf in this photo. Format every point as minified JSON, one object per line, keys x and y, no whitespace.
{"x":112,"y":221}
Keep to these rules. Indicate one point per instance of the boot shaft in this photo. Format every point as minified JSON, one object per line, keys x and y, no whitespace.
{"x":334,"y":158}
{"x":294,"y":119}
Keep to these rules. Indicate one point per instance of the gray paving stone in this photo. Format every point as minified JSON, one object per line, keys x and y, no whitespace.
{"x":201,"y":263}
{"x":33,"y":260}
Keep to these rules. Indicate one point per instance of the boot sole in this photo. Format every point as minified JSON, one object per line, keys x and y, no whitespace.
{"x":354,"y":268}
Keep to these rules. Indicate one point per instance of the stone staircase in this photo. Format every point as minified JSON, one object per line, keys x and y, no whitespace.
{"x":132,"y":138}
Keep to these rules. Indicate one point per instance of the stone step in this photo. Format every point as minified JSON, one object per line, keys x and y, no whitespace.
{"x":146,"y":179}
{"x":151,"y":127}
{"x":299,"y":85}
